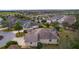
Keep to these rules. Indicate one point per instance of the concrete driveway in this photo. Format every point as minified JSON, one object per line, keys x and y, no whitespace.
{"x":11,"y":36}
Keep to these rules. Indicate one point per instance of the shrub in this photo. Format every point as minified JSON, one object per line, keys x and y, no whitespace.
{"x":40,"y":26}
{"x":47,"y":25}
{"x":61,"y":29}
{"x":18,"y":26}
{"x":1,"y":37}
{"x":25,"y":31}
{"x":20,"y":34}
{"x":57,"y":28}
{"x":75,"y":44}
{"x":10,"y":43}
{"x":39,"y":45}
{"x":7,"y":30}
{"x":43,"y":21}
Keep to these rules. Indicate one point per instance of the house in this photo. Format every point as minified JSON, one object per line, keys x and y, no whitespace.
{"x":30,"y":25}
{"x":1,"y":19}
{"x":69,"y":19}
{"x":63,"y":19}
{"x":11,"y":20}
{"x":45,"y":36}
{"x":55,"y":18}
{"x":23,"y":21}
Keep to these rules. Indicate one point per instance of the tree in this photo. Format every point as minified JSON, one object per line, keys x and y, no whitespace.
{"x":18,"y":26}
{"x":10,"y":43}
{"x":6,"y":23}
{"x":75,"y":44}
{"x":43,"y":21}
{"x":76,"y":25}
{"x":47,"y":25}
{"x":56,"y":25}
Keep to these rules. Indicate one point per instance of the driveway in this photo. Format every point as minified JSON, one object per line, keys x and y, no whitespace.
{"x":10,"y":36}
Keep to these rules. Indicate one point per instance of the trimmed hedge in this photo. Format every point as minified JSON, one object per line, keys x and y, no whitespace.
{"x":20,"y":34}
{"x":39,"y":45}
{"x":10,"y":43}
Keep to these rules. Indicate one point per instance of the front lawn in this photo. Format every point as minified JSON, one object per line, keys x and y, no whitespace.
{"x":8,"y":30}
{"x":20,"y":34}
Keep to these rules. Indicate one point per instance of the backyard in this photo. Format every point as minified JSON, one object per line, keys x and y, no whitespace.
{"x":67,"y":37}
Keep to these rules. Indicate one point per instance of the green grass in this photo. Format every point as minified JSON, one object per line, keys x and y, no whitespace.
{"x":8,"y":30}
{"x":2,"y":13}
{"x":66,"y":38}
{"x":20,"y":34}
{"x":47,"y":46}
{"x":50,"y":46}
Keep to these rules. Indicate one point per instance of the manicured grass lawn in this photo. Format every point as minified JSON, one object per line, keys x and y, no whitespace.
{"x":20,"y":34}
{"x":66,"y":37}
{"x":50,"y":46}
{"x":5,"y":13}
{"x":47,"y":46}
{"x":7,"y":30}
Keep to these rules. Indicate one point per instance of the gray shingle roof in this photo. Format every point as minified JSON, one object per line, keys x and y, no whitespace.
{"x":40,"y":34}
{"x":29,"y":24}
{"x":31,"y":36}
{"x":57,"y":17}
{"x":47,"y":34}
{"x":69,"y":19}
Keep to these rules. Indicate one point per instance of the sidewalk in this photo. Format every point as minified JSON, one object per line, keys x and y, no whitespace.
{"x":3,"y":28}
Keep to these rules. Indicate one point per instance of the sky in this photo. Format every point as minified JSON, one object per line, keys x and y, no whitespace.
{"x":38,"y":4}
{"x":34,"y":5}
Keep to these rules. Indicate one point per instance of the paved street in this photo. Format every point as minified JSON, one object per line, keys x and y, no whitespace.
{"x":10,"y":36}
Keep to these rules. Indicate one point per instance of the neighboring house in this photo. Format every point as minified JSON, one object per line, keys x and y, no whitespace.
{"x":1,"y":19}
{"x":69,"y":19}
{"x":49,"y":21}
{"x":11,"y":20}
{"x":30,"y":25}
{"x":56,"y":18}
{"x":62,"y":19}
{"x":23,"y":21}
{"x":45,"y":36}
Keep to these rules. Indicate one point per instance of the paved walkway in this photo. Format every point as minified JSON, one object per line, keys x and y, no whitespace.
{"x":3,"y":28}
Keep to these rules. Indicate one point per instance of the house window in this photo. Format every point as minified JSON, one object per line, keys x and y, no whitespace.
{"x":50,"y":40}
{"x":30,"y":42}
